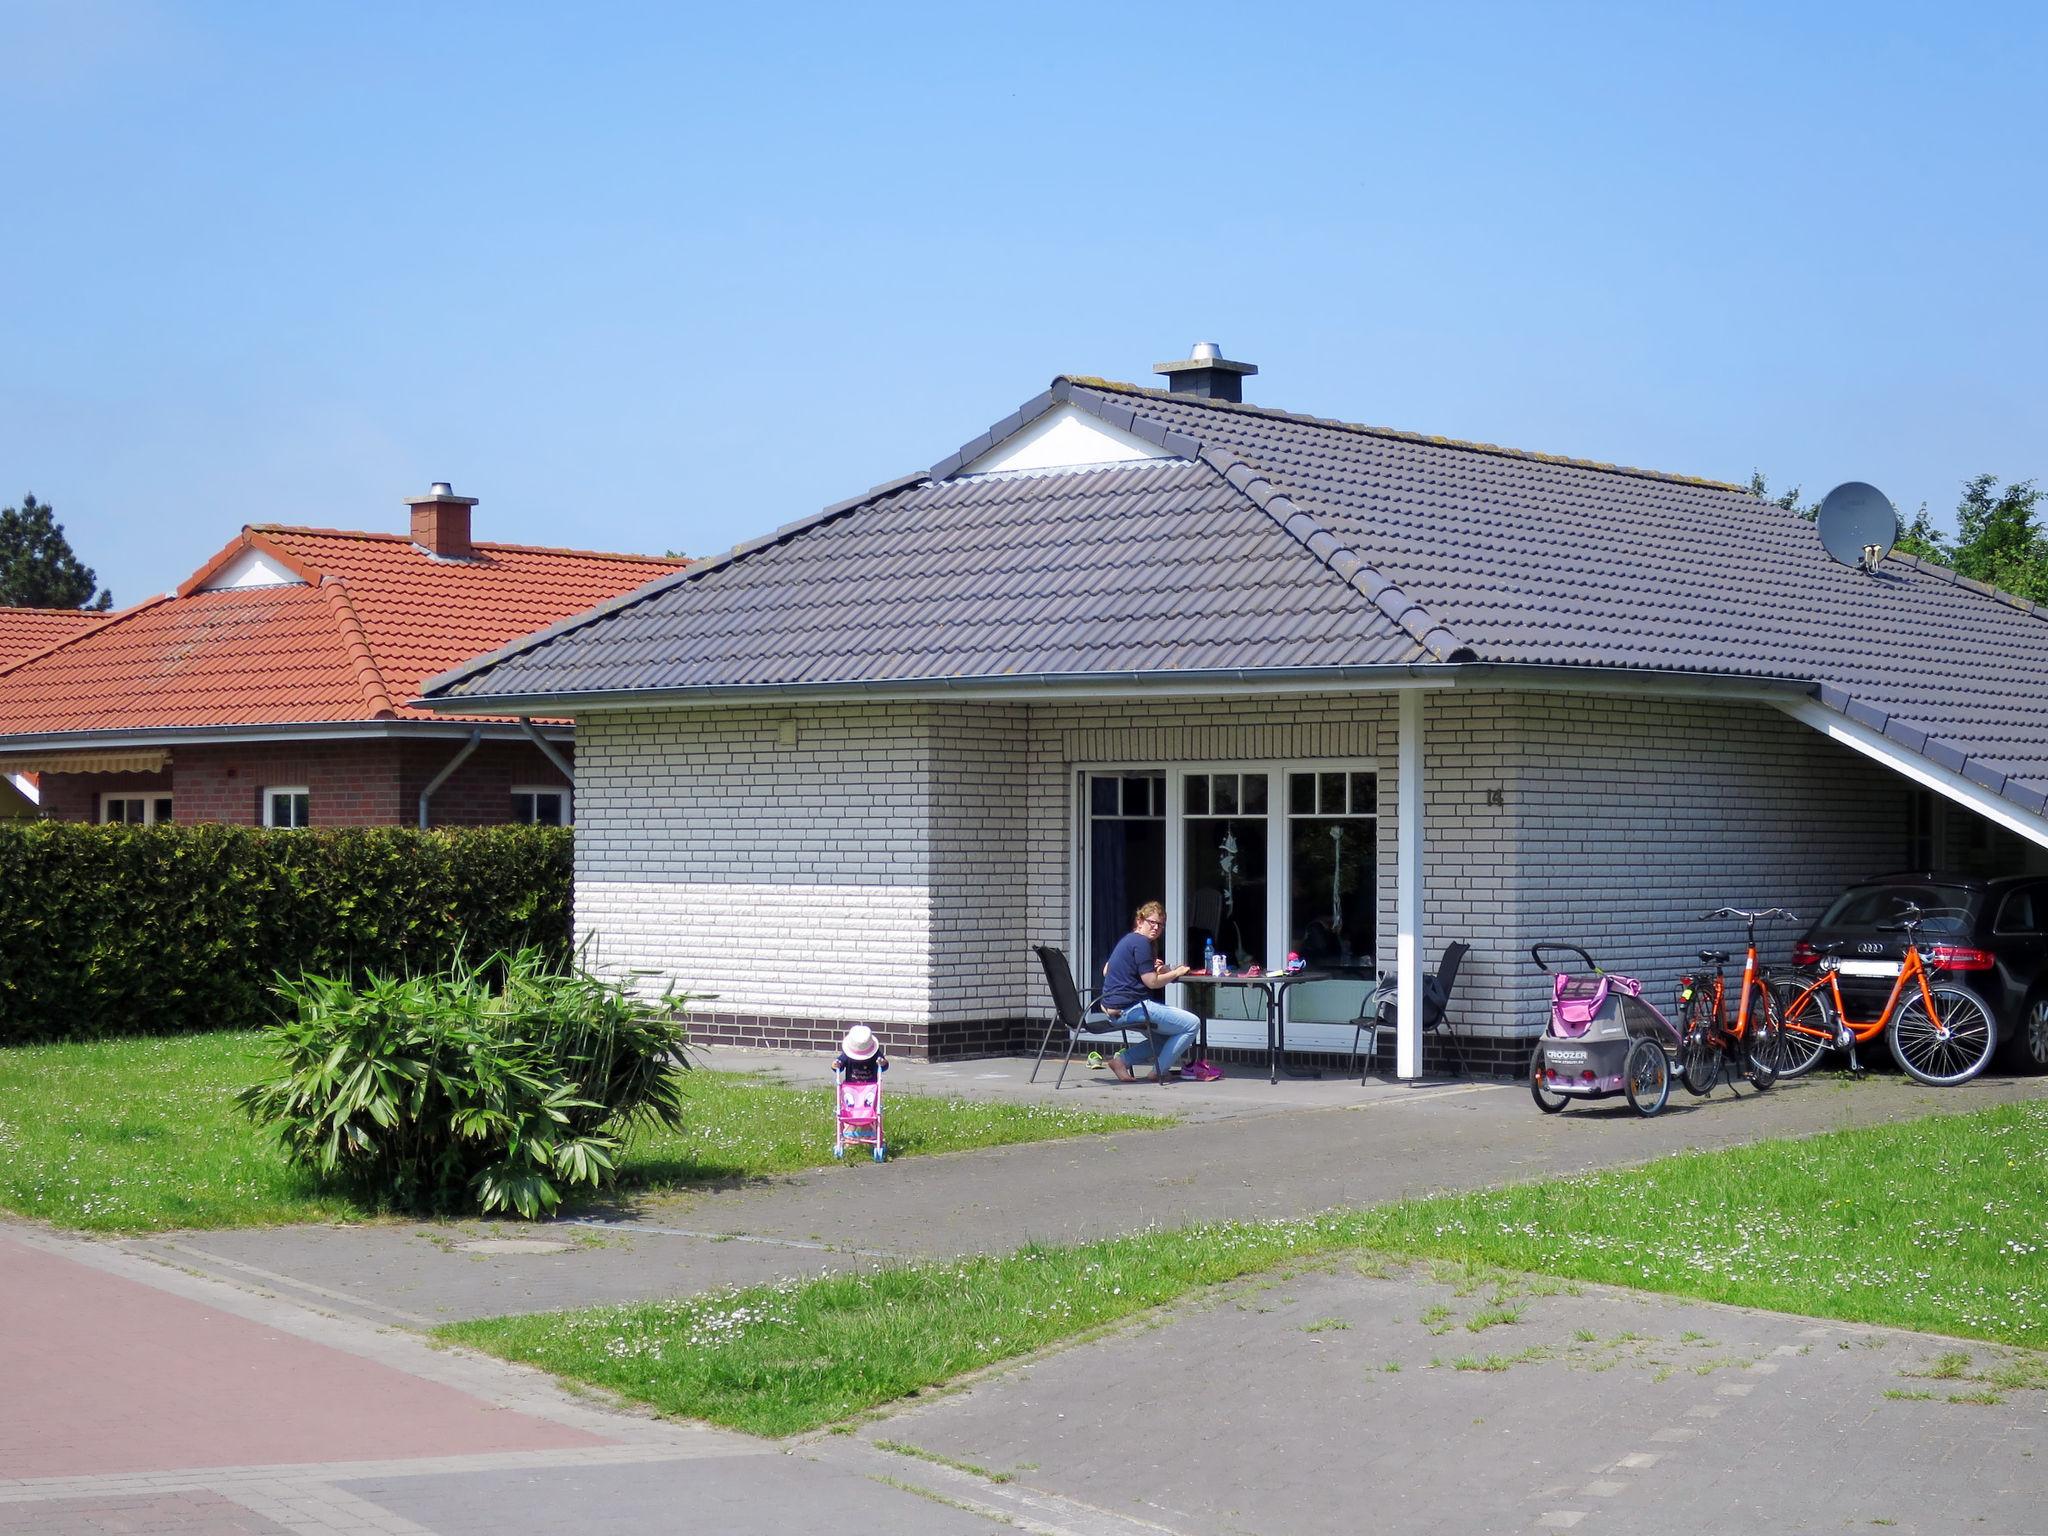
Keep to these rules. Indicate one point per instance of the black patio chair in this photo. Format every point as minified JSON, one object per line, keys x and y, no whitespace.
{"x":1380,"y":1013}
{"x":1074,"y":1012}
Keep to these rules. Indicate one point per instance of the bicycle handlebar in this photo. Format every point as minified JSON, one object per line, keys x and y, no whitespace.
{"x":1751,"y":917}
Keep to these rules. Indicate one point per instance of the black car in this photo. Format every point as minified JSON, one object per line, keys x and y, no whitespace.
{"x":1990,"y":936}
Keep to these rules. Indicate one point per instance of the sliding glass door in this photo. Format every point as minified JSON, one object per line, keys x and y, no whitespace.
{"x":1258,"y":859}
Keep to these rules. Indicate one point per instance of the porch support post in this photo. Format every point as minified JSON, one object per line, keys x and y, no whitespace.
{"x":1408,"y":892}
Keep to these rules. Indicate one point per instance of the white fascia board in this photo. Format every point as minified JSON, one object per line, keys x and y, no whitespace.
{"x":1952,"y":786}
{"x":27,"y":787}
{"x":1065,"y":438}
{"x":251,"y":568}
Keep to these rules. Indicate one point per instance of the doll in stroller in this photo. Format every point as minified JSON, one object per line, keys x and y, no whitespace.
{"x":857,"y":1093}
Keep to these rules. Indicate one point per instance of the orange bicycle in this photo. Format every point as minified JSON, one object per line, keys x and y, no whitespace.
{"x":1940,"y":1032}
{"x":1750,"y":1044}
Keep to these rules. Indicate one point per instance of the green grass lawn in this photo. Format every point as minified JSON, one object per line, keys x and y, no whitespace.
{"x":1938,"y":1225}
{"x":143,"y":1135}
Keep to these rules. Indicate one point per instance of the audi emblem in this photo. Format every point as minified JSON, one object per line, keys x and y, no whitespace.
{"x":1870,"y":949}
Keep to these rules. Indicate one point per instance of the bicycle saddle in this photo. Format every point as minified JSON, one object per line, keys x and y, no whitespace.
{"x":1714,"y":957}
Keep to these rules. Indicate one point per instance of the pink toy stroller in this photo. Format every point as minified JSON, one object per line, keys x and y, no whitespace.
{"x":857,"y":1117}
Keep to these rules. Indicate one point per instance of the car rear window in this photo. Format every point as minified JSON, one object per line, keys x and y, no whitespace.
{"x":1950,"y":907}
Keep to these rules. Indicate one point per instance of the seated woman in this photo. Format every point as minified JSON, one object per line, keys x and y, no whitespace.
{"x":1133,"y":975}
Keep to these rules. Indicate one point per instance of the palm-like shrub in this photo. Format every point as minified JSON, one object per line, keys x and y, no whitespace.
{"x":491,"y":1086}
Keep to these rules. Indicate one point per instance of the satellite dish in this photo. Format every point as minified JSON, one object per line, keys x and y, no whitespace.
{"x":1858,"y":524}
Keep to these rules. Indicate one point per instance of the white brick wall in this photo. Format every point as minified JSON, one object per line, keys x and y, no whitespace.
{"x":894,"y":863}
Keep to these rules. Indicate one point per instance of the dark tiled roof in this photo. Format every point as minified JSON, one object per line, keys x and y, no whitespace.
{"x":1146,"y":568}
{"x":1288,"y":541}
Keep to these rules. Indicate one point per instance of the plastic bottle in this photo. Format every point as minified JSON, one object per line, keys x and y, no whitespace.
{"x":1208,"y":957}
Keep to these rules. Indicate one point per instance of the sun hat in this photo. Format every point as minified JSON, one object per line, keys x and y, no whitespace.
{"x":859,"y":1044}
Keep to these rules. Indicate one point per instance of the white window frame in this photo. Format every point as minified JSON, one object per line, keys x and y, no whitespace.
{"x":149,"y":799}
{"x":568,"y":801}
{"x":269,"y":805}
{"x":1305,"y":1036}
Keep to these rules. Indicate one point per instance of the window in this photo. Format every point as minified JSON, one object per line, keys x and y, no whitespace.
{"x":289,"y":807}
{"x":2022,"y":911}
{"x":1224,"y":867}
{"x":135,"y":810}
{"x":1332,"y":866}
{"x":1126,"y":855}
{"x":539,"y":807}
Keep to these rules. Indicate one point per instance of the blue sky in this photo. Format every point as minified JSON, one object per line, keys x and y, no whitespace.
{"x":663,"y":277}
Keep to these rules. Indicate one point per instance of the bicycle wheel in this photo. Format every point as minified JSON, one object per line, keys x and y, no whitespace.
{"x":1699,"y":1056}
{"x":1808,"y":1029}
{"x":1947,"y":1050}
{"x":1548,"y":1101}
{"x":1764,"y":1039}
{"x":1647,"y":1077}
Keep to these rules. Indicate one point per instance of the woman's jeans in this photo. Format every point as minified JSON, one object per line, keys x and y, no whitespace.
{"x":1169,"y":1035}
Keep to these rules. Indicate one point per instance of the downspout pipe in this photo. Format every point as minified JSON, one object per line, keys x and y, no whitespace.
{"x":548,"y":751}
{"x":476,"y":739}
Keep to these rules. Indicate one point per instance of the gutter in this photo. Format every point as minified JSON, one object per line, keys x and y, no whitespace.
{"x":561,"y":764}
{"x":201,"y":735}
{"x":1206,"y":684}
{"x":476,"y":739}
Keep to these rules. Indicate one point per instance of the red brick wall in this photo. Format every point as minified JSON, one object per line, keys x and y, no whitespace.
{"x":76,"y":796}
{"x":353,"y":783}
{"x":480,"y":792}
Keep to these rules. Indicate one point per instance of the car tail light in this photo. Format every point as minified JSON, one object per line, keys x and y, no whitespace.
{"x":1960,"y":957}
{"x":1587,"y":1074}
{"x":1804,"y":953}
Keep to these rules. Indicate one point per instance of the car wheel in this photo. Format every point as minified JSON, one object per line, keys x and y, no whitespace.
{"x":2029,"y":1050}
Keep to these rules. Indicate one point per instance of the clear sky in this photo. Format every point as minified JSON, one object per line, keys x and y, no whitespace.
{"x":662,"y":277}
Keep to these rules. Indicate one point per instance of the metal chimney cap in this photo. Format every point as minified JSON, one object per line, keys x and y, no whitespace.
{"x":440,"y":491}
{"x":1205,"y":355}
{"x":441,"y":488}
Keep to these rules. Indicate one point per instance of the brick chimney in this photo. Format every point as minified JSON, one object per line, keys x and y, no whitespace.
{"x":1207,"y":373}
{"x":440,"y":522}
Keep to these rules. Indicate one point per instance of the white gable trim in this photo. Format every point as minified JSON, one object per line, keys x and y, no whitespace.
{"x":1917,"y":768}
{"x":251,"y":568}
{"x":1064,"y":438}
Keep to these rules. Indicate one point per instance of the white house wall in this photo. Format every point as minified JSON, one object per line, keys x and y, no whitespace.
{"x":791,"y":881}
{"x":892,"y":864}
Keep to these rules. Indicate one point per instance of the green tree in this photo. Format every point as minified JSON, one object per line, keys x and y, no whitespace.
{"x":37,"y":567}
{"x":1760,"y":488}
{"x":1999,"y":537}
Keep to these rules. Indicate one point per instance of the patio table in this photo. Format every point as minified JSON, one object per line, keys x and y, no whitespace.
{"x":1274,"y":985}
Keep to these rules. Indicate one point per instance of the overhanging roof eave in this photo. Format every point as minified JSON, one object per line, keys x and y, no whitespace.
{"x":1233,"y":681}
{"x":314,"y":730}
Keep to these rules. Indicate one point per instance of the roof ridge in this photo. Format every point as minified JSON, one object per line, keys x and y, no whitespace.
{"x":478,"y":665}
{"x":1266,"y":493}
{"x":369,"y":676}
{"x":529,"y":549}
{"x":85,"y":631}
{"x":1395,"y":434}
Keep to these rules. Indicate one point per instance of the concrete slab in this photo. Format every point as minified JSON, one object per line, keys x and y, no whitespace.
{"x":1335,"y":1402}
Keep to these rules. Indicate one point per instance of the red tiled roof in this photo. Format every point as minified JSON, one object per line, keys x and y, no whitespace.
{"x":376,"y":616}
{"x":25,"y":631}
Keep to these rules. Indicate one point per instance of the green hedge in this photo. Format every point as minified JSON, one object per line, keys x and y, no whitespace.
{"x":158,"y":930}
